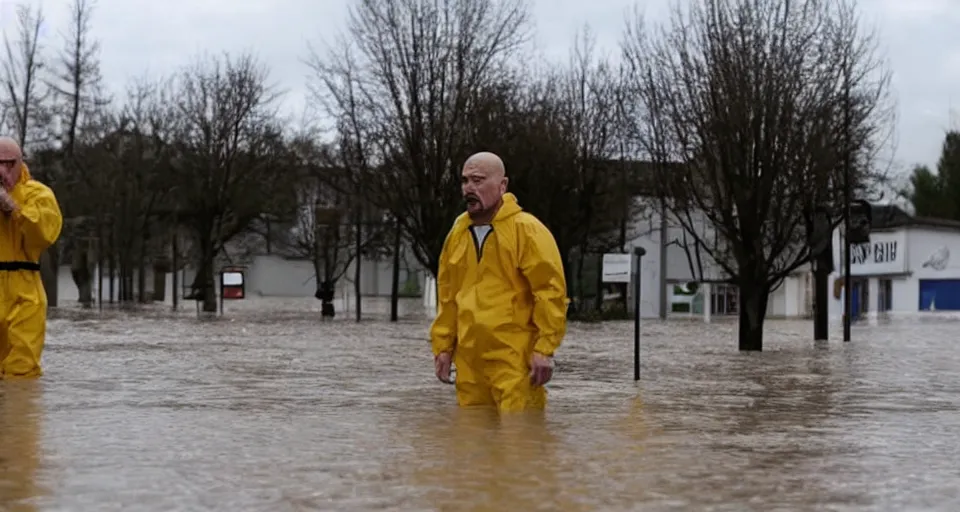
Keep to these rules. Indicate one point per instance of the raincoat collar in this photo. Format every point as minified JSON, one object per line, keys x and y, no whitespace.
{"x":25,"y":176}
{"x":508,"y":208}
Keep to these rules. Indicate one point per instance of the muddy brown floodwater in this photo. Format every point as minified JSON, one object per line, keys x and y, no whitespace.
{"x":269,"y":409}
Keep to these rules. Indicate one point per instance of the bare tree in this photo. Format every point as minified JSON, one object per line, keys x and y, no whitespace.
{"x":118,"y":192}
{"x":408,"y":69}
{"x":23,"y":86}
{"x":77,"y":81}
{"x":25,"y":103}
{"x":325,"y":227}
{"x":559,"y":132}
{"x":77,"y":84}
{"x":752,"y":110}
{"x":231,"y":163}
{"x":590,"y":102}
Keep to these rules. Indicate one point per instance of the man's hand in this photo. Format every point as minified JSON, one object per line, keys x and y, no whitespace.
{"x":7,"y":203}
{"x":541,"y":369}
{"x":441,"y":363}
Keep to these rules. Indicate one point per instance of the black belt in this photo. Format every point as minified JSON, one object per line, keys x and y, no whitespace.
{"x":13,"y":266}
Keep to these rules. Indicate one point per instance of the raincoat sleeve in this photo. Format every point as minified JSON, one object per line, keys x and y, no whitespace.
{"x":542,"y":266}
{"x":443,"y":333}
{"x":40,"y":217}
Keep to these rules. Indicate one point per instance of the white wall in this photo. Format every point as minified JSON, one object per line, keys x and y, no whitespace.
{"x":266,"y":275}
{"x":920,"y":250}
{"x":934,"y":254}
{"x":650,"y":284}
{"x":788,"y":300}
{"x":280,"y":277}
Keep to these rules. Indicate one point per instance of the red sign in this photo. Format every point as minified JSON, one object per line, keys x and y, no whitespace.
{"x":233,"y":292}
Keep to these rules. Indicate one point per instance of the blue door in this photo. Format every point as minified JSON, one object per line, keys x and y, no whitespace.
{"x":940,"y":294}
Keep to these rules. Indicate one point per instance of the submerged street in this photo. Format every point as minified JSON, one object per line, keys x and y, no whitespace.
{"x":271,"y":409}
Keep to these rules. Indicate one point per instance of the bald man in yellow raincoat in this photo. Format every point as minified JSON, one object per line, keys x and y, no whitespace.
{"x":501,"y":294}
{"x":30,"y":222}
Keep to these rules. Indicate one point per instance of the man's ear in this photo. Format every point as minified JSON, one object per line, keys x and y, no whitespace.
{"x":504,"y":183}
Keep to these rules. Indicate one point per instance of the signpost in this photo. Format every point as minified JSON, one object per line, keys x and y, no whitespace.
{"x":232,"y":285}
{"x":639,"y":252}
{"x":857,"y":224}
{"x":618,"y":268}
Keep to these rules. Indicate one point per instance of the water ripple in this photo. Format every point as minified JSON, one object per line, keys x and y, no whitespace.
{"x":269,"y":408}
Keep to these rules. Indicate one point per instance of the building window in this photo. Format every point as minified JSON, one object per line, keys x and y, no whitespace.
{"x":860,"y":300}
{"x":724,"y":299}
{"x":885,"y":295}
{"x":683,"y":296}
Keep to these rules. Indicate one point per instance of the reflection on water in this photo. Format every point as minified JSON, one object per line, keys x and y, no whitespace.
{"x":275,"y":410}
{"x":20,"y":422}
{"x":473,"y":460}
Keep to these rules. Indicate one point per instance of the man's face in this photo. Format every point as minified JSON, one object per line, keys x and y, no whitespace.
{"x":481,"y":188}
{"x":10,"y":162}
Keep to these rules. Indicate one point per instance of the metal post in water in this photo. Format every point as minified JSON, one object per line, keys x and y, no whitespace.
{"x":175,"y":283}
{"x":847,"y":199}
{"x":820,"y":245}
{"x":639,"y":252}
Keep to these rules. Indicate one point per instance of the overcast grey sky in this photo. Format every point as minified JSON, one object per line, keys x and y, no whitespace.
{"x":149,"y":36}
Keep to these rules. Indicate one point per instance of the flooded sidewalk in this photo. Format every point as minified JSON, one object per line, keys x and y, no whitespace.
{"x":277,"y":411}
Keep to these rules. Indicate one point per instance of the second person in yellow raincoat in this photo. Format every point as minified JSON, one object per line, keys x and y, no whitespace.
{"x":501,"y":294}
{"x":30,"y":222}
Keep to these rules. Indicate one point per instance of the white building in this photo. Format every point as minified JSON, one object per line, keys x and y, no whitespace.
{"x":906,"y":268}
{"x":667,"y":270}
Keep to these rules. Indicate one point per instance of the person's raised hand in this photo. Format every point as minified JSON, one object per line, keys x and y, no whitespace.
{"x":541,"y":369}
{"x":7,"y":204}
{"x":441,"y":364}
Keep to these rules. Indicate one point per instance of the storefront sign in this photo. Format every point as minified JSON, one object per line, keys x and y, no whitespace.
{"x":884,"y":254}
{"x":617,"y":268}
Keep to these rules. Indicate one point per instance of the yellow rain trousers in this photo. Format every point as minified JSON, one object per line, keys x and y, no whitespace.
{"x":24,"y":234}
{"x":498,"y":303}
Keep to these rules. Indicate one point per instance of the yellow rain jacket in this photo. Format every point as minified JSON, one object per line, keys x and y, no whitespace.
{"x":24,"y":234}
{"x":498,"y":303}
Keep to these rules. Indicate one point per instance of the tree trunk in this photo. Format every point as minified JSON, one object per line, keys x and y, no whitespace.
{"x":207,"y":286}
{"x":821,"y":305}
{"x":142,"y":268}
{"x":142,"y":296}
{"x":209,"y":291}
{"x":581,"y":291}
{"x":82,"y":270}
{"x":49,"y":274}
{"x":358,"y":262}
{"x":121,"y":281}
{"x":175,"y":268}
{"x":395,"y":283}
{"x":753,"y":308}
{"x":663,"y":260}
{"x":599,"y":283}
{"x":126,"y":269}
{"x":112,"y":263}
{"x":100,"y":265}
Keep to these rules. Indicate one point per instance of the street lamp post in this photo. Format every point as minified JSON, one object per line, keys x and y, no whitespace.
{"x":858,"y":222}
{"x":639,"y":252}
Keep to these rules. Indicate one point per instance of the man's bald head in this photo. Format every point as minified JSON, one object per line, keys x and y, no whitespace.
{"x":483,"y":183}
{"x":11,"y":162}
{"x":487,"y":161}
{"x":9,"y":146}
